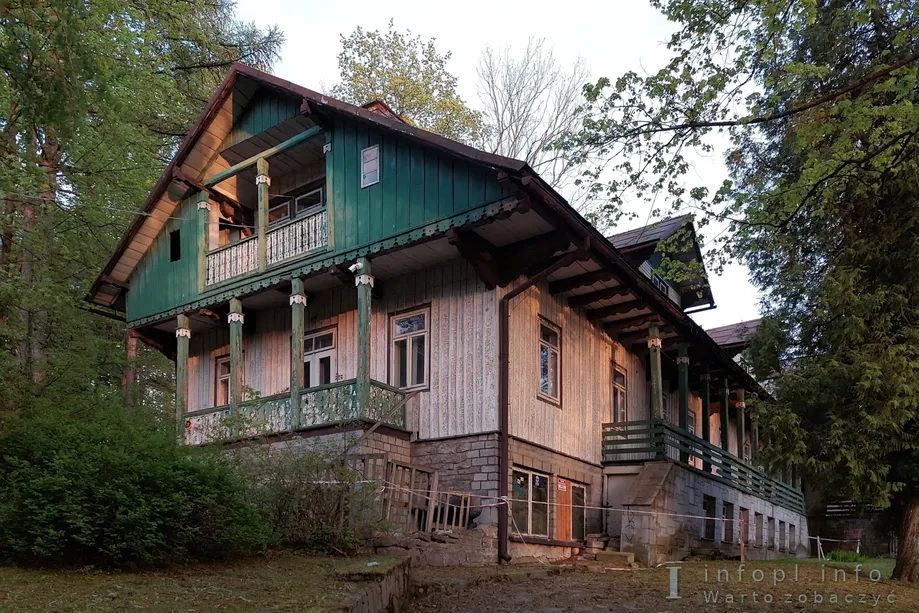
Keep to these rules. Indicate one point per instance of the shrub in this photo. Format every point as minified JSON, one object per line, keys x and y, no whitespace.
{"x":845,"y":555}
{"x":103,"y":486}
{"x":311,"y":494}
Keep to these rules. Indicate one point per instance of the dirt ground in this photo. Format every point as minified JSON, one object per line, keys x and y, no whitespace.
{"x":279,"y":582}
{"x":809,"y":586}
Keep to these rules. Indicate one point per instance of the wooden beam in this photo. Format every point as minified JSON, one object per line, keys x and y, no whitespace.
{"x":640,"y":336}
{"x":235,"y":169}
{"x":520,"y":257}
{"x":341,"y":273}
{"x":110,"y":280}
{"x":480,"y":254}
{"x":601,"y":294}
{"x":629,"y":322}
{"x":589,"y":278}
{"x":617,"y":309}
{"x":654,"y":357}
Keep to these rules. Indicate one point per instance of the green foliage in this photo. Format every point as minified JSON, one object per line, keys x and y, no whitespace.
{"x":845,"y":555}
{"x":409,"y":75}
{"x":101,"y":486}
{"x":820,"y":103}
{"x":94,"y":97}
{"x":310,"y":494}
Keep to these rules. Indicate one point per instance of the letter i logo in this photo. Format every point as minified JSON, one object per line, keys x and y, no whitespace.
{"x":674,"y":583}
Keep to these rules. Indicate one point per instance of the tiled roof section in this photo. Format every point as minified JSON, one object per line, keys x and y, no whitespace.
{"x":734,"y":334}
{"x":651,"y":233}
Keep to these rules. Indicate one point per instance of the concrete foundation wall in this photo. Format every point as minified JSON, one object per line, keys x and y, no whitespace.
{"x":651,"y":526}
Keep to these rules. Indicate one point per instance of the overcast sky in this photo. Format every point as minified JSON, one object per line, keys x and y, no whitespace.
{"x":613,"y":37}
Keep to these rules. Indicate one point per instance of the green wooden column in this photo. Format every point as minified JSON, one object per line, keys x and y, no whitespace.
{"x":725,"y":422}
{"x":654,"y":356}
{"x":204,"y":222}
{"x":263,"y":183}
{"x":754,"y":440}
{"x":235,"y":319}
{"x":741,"y":422}
{"x":364,"y":282}
{"x":297,"y":324}
{"x":706,"y":394}
{"x":682,"y":362}
{"x":183,"y":336}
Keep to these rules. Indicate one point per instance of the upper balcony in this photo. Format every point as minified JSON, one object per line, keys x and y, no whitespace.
{"x":267,"y":207}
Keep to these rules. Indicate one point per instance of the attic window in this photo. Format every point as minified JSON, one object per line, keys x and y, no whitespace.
{"x":175,"y":246}
{"x":370,"y":166}
{"x":659,"y":283}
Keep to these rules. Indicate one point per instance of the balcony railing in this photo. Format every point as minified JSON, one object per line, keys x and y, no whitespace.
{"x":636,"y":442}
{"x":298,"y":237}
{"x":290,"y":240}
{"x":233,"y":260}
{"x":335,"y":403}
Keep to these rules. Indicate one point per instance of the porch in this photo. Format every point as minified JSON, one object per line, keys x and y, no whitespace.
{"x":332,"y":404}
{"x":655,"y":440}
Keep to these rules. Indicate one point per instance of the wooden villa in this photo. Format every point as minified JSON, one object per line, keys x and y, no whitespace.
{"x":325,"y":266}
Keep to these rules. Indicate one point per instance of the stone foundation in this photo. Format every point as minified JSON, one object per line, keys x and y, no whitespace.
{"x":656,"y":496}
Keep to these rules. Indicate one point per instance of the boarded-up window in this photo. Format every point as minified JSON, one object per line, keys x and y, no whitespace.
{"x":745,"y":525}
{"x":781,"y":536}
{"x":792,"y":538}
{"x":578,"y":512}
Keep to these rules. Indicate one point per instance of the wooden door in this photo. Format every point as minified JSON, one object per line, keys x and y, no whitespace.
{"x":563,"y":516}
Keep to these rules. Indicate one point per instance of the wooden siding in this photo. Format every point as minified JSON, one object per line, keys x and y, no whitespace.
{"x":462,"y":396}
{"x":574,"y":426}
{"x":417,"y":186}
{"x":158,"y":284}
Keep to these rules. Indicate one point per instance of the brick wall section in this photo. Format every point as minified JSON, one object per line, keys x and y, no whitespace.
{"x":398,"y":449}
{"x":464,"y":464}
{"x":558,"y":466}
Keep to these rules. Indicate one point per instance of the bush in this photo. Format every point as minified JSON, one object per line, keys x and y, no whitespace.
{"x":106,"y":487}
{"x":845,"y":555}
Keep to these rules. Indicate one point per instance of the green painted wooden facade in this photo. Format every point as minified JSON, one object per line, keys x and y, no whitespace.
{"x":418,"y":187}
{"x":157,"y":284}
{"x":263,"y":112}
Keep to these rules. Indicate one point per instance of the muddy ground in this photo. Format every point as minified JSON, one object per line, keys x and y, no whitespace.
{"x":809,"y":586}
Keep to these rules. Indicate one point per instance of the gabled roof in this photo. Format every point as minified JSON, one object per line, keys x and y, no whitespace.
{"x":650,"y":234}
{"x":380,"y":107}
{"x":200,"y":144}
{"x":734,"y":338}
{"x":640,"y":244}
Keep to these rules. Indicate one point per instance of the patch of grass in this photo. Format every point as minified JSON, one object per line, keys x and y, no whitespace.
{"x":277,"y":582}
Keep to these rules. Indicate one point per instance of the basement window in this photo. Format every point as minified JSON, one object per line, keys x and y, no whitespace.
{"x":175,"y":246}
{"x":370,"y":166}
{"x":530,"y":503}
{"x":708,"y":506}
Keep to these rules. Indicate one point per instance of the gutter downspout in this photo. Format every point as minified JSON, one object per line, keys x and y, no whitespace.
{"x":504,"y":400}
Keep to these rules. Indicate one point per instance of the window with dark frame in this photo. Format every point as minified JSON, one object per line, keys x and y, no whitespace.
{"x":708,"y":506}
{"x":175,"y":246}
{"x":549,"y":361}
{"x":620,"y":410}
{"x":728,"y":514}
{"x":578,"y":512}
{"x":222,"y":383}
{"x":410,"y":349}
{"x":530,"y":502}
{"x":303,"y":201}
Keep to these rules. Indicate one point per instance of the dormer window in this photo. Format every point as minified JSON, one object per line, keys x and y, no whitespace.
{"x":659,"y":284}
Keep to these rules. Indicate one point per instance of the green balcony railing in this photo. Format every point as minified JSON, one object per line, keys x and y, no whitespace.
{"x":335,"y":403}
{"x":636,"y":442}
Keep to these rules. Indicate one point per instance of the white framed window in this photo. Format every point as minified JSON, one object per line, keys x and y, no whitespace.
{"x":370,"y":166}
{"x":222,"y":381}
{"x":530,"y":502}
{"x":320,"y":357}
{"x":410,"y":333}
{"x":620,"y":410}
{"x":659,"y":284}
{"x":550,"y":361}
